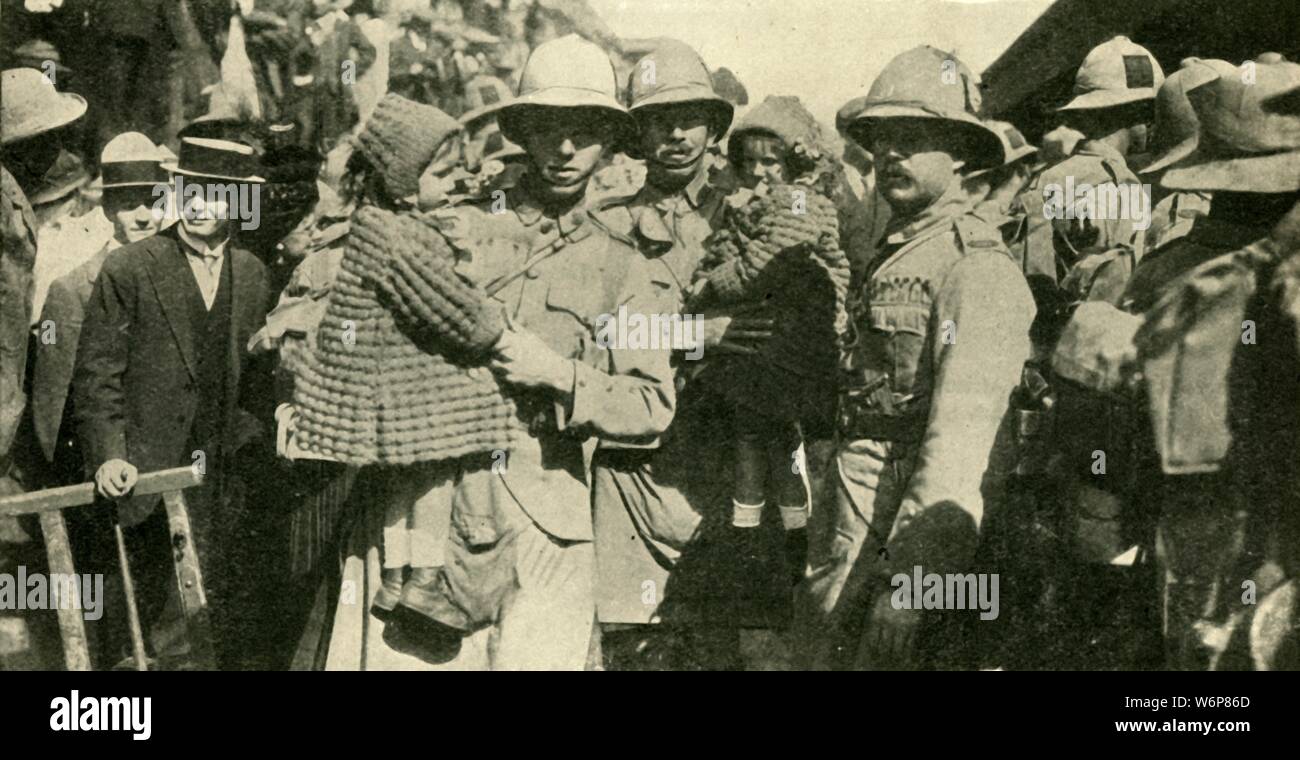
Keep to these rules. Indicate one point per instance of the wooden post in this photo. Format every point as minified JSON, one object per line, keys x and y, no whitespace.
{"x":72,"y":628}
{"x":189,"y":580}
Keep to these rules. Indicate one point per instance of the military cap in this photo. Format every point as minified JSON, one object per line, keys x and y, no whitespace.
{"x":783,"y":116}
{"x":925,"y":83}
{"x":1116,"y":72}
{"x":29,"y":105}
{"x":1248,"y":142}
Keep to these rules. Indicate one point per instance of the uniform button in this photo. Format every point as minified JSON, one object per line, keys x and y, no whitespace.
{"x":533,"y":274}
{"x":547,"y":225}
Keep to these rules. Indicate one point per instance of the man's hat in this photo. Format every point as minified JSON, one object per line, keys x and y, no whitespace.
{"x":65,"y":176}
{"x":222,"y":117}
{"x":484,"y":96}
{"x":1249,"y":142}
{"x":783,"y":116}
{"x":568,"y":72}
{"x":132,"y":160}
{"x":35,"y":53}
{"x":1014,"y":145}
{"x":29,"y":105}
{"x":925,"y":83}
{"x":216,"y":159}
{"x":1116,"y":72}
{"x":674,"y":73}
{"x":1176,"y":127}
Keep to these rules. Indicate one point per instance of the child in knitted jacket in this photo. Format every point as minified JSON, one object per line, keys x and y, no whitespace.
{"x":779,"y":252}
{"x":395,"y":381}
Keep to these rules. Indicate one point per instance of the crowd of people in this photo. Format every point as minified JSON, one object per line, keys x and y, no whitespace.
{"x":383,"y":288}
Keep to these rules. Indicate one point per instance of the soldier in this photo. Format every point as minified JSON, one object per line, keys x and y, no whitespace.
{"x":1173,"y":139}
{"x":1069,"y":214}
{"x":556,"y":274}
{"x":1214,"y":450}
{"x":941,"y":320}
{"x":648,"y":503}
{"x":1087,"y":214}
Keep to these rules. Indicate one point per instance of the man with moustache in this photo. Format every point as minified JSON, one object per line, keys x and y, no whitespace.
{"x":524,"y":578}
{"x":939,"y":333}
{"x":162,"y":380}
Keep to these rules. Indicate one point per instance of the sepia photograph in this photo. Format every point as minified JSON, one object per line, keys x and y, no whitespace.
{"x":650,"y":335}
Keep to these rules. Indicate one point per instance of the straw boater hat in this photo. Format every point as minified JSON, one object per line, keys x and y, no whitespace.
{"x":132,"y":160}
{"x":215,"y":159}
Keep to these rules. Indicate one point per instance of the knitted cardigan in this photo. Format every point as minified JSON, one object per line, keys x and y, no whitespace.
{"x":781,"y":250}
{"x":396,"y":374}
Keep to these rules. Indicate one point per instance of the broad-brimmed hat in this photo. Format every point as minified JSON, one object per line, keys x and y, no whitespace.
{"x":29,"y":105}
{"x":1249,"y":140}
{"x":216,"y":159}
{"x":568,"y":72}
{"x":926,"y":83}
{"x":674,"y":73}
{"x":1014,"y":146}
{"x":65,"y":176}
{"x":1116,"y":72}
{"x":132,"y":160}
{"x":1176,"y":127}
{"x":484,"y":96}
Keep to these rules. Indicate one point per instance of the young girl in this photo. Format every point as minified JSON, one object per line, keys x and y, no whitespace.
{"x":394,"y":381}
{"x":779,"y":251}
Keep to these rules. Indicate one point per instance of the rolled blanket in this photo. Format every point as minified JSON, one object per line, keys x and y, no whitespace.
{"x":396,"y":374}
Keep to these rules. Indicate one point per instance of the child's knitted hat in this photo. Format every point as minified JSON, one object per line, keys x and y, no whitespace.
{"x":401,"y":138}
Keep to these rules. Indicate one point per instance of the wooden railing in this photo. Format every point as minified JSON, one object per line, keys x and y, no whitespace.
{"x":49,"y":504}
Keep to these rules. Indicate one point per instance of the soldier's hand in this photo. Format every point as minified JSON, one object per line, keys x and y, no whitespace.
{"x":890,"y":634}
{"x":522,"y":358}
{"x":115,"y":478}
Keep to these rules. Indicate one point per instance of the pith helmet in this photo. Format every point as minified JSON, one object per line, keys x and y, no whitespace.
{"x":1176,"y":126}
{"x":1249,"y":140}
{"x":674,"y":73}
{"x":484,"y":96}
{"x":29,"y":105}
{"x":925,"y":83}
{"x":1014,"y":145}
{"x":568,"y":72}
{"x":132,"y":160}
{"x":1116,"y":72}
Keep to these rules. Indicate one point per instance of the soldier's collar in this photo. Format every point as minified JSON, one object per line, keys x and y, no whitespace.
{"x":953,"y":202}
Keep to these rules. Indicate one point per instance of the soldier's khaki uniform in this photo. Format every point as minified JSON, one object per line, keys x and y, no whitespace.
{"x":942,"y":324}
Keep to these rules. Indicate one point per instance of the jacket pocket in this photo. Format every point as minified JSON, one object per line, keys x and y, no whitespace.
{"x":901,"y":331}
